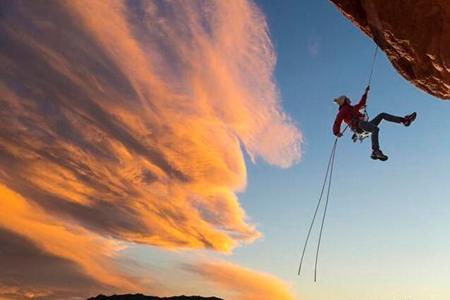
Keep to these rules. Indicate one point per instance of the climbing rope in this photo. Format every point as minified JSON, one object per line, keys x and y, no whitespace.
{"x":373,"y":65}
{"x":317,"y":206}
{"x":325,"y":210}
{"x":328,"y":179}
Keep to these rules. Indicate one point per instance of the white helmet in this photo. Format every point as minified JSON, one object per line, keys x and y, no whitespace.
{"x":343,"y":97}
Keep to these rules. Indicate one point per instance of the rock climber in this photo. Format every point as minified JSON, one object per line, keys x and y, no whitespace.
{"x":351,"y":115}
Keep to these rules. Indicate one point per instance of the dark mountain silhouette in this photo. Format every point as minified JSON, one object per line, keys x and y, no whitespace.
{"x":143,"y":297}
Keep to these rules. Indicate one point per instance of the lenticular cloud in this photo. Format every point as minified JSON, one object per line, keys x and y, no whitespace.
{"x":129,"y":119}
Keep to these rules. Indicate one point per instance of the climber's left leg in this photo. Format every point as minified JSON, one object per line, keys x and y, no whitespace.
{"x":384,"y":116}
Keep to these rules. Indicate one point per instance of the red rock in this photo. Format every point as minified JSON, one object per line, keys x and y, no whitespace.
{"x":415,"y":35}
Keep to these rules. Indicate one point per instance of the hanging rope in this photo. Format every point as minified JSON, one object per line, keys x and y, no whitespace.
{"x":327,"y":178}
{"x":317,"y":207}
{"x":373,"y":65}
{"x":325,"y":210}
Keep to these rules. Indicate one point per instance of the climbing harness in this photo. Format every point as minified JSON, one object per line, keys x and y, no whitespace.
{"x":361,"y":135}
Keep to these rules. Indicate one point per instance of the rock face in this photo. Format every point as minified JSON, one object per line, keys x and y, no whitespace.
{"x":415,"y":35}
{"x":142,"y":297}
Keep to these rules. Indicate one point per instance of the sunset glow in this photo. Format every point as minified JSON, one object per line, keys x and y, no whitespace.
{"x":129,"y":122}
{"x":179,"y":147}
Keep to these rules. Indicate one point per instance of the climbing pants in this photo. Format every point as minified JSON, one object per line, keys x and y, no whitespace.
{"x":372,"y":126}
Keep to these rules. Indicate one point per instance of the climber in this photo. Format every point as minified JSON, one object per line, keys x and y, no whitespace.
{"x":351,"y":115}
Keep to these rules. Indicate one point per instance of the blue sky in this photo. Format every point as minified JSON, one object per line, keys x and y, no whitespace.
{"x":385,"y":236}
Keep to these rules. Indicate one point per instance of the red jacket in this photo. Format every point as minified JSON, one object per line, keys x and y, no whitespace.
{"x":349,"y":114}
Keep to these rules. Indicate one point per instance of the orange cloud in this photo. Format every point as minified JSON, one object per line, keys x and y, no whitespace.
{"x":41,"y":257}
{"x":240,"y":283}
{"x":129,"y":121}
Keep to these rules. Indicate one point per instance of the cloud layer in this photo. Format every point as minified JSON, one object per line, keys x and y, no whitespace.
{"x":128,"y":120}
{"x":241,"y":283}
{"x":42,"y":258}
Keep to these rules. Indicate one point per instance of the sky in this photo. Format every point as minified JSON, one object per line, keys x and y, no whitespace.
{"x":179,"y":148}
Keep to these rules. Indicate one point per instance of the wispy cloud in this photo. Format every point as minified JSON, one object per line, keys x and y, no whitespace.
{"x":43,"y":257}
{"x":240,"y":283}
{"x":127,"y":120}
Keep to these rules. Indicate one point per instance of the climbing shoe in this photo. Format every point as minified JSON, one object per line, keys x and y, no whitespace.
{"x":377,"y":154}
{"x":409,"y":119}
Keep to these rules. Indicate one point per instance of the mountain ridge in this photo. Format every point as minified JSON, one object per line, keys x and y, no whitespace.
{"x":144,"y":297}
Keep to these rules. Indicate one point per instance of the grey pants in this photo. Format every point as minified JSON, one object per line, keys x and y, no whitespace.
{"x":372,"y":126}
